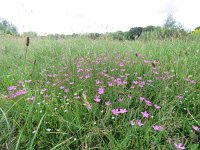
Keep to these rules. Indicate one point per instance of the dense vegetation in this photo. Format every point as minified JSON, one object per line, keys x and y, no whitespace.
{"x":78,"y":93}
{"x":126,"y":90}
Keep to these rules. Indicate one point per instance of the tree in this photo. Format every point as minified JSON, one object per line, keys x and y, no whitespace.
{"x":170,"y":22}
{"x":134,"y":33}
{"x":7,"y":27}
{"x":149,"y":28}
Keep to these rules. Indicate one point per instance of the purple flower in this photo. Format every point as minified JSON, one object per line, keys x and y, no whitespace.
{"x":145,"y":114}
{"x":101,"y":90}
{"x":179,"y":146}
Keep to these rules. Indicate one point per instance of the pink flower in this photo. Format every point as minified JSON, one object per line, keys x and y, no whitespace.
{"x":115,"y":111}
{"x":12,"y":88}
{"x":157,"y":106}
{"x":54,"y":84}
{"x":142,"y":98}
{"x":118,"y":111}
{"x":180,"y":97}
{"x":71,"y":83}
{"x":129,"y":96}
{"x":97,"y":99}
{"x":62,"y":87}
{"x":122,"y":111}
{"x":157,"y":128}
{"x":31,"y":99}
{"x":108,"y":103}
{"x":148,"y":103}
{"x":192,"y":82}
{"x":21,"y":92}
{"x":121,"y":64}
{"x":135,"y":82}
{"x":145,"y":114}
{"x":87,"y":75}
{"x":120,"y":99}
{"x":195,"y":128}
{"x":66,"y":90}
{"x":77,"y":97}
{"x":110,"y":84}
{"x":98,"y":82}
{"x":101,"y":90}
{"x":20,"y":83}
{"x":89,"y":106}
{"x":179,"y":146}
{"x":139,"y":123}
{"x":146,"y":61}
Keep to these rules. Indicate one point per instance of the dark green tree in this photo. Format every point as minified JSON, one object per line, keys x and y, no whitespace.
{"x":134,"y":33}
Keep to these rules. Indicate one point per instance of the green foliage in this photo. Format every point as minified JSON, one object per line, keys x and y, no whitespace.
{"x":170,"y":22}
{"x":119,"y":35}
{"x":134,"y":33}
{"x":55,"y":122}
{"x":94,"y":36}
{"x":30,"y":34}
{"x":7,"y":27}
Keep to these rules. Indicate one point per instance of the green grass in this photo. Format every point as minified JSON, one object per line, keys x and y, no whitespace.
{"x":59,"y":119}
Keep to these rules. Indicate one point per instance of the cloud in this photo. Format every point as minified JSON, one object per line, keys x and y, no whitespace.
{"x":168,"y":7}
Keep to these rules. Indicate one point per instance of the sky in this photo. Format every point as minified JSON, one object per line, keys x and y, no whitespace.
{"x":85,"y":16}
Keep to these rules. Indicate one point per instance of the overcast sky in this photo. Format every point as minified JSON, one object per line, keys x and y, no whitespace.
{"x":81,"y":16}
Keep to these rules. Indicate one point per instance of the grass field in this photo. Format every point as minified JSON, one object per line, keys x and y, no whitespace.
{"x":78,"y":93}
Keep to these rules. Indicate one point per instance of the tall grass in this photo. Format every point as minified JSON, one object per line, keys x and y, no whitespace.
{"x":78,"y":93}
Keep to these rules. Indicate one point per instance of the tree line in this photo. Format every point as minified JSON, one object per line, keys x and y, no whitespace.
{"x":170,"y":28}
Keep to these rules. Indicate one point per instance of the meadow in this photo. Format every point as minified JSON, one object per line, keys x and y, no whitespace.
{"x":78,"y":93}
